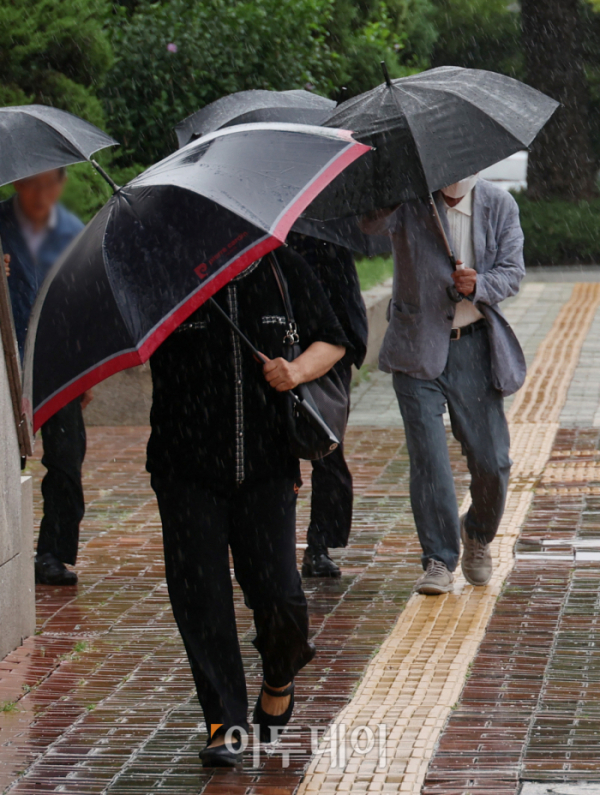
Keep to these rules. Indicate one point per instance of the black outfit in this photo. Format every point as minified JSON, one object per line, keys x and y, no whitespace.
{"x":332,"y":493}
{"x":64,"y":440}
{"x":224,"y":477}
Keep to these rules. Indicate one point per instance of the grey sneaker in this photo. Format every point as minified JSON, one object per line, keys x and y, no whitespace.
{"x":437,"y":579}
{"x":476,"y":563}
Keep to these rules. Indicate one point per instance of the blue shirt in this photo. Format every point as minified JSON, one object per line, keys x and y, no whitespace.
{"x":26,"y":273}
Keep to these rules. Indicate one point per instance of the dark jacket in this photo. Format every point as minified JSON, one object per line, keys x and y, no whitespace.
{"x":335,"y":269}
{"x":26,"y":275}
{"x":214,"y":417}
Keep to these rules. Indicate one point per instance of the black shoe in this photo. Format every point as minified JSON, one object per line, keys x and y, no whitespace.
{"x":49,"y":570}
{"x":317,"y":563}
{"x":222,"y":756}
{"x":265,"y":720}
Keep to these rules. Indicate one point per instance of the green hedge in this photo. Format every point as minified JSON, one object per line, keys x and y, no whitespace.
{"x":372,"y":271}
{"x":560,"y":232}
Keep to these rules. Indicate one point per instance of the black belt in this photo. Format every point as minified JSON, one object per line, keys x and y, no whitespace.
{"x":457,"y":333}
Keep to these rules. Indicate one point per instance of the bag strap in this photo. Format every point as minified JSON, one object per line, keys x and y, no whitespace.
{"x":291,"y":336}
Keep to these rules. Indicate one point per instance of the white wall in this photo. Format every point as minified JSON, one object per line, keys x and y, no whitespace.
{"x":17,"y":587}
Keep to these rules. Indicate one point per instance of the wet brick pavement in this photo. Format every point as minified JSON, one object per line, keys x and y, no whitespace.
{"x":101,"y":699}
{"x":530,"y":710}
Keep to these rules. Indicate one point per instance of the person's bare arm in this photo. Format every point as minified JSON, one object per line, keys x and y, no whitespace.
{"x":86,"y":398}
{"x":7,"y":264}
{"x":314,"y":362}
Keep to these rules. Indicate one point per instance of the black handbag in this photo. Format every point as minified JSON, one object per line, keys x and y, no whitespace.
{"x":317,"y":411}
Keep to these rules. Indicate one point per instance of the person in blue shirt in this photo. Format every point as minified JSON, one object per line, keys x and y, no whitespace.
{"x":35,"y":229}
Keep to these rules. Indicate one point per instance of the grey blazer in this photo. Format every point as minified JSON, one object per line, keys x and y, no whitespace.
{"x":421,"y":314}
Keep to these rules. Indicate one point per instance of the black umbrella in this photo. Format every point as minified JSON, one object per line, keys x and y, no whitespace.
{"x":296,"y":106}
{"x":428,"y":131}
{"x":344,"y":232}
{"x":258,"y":105}
{"x":165,"y":243}
{"x":37,"y":138}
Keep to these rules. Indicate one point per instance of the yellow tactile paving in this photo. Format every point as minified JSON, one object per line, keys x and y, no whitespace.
{"x":419,"y":672}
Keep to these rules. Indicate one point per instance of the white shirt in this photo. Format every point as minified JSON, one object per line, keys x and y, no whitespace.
{"x":34,"y":236}
{"x":460,"y":220}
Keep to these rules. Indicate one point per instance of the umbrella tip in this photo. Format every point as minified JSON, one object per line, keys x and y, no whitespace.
{"x":386,"y":74}
{"x":343,"y":92}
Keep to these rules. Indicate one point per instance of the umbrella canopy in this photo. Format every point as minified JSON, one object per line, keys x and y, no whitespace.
{"x":36,"y":138}
{"x":296,"y":106}
{"x":430,"y":130}
{"x":164,"y":244}
{"x":344,"y":232}
{"x":243,"y":107}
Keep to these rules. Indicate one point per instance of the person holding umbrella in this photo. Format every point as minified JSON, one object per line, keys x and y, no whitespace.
{"x":171,"y":261}
{"x":225,"y":479}
{"x":38,"y":142}
{"x":458,"y":253}
{"x":35,"y":229}
{"x":442,"y":352}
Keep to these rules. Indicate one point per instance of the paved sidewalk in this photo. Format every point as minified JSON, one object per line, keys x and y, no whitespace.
{"x":101,"y":700}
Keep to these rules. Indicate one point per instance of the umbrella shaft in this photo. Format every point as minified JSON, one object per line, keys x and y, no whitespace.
{"x":238,"y":330}
{"x":104,"y":175}
{"x":447,"y":245}
{"x":9,"y":344}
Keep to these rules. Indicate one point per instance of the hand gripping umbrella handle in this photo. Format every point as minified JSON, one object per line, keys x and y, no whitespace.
{"x":313,"y":416}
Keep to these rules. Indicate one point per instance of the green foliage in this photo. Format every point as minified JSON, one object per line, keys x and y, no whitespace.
{"x":590,"y":27}
{"x":479,"y":34}
{"x":361,"y":35}
{"x":222,"y":46}
{"x":86,"y":191}
{"x":560,"y":232}
{"x":54,"y":52}
{"x":374,"y":270}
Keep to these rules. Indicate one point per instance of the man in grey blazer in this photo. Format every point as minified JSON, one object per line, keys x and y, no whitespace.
{"x":462,"y":355}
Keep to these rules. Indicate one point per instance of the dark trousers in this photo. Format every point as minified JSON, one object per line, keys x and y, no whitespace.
{"x":63,"y":437}
{"x":478,"y":422}
{"x":332,"y":493}
{"x":258,"y":522}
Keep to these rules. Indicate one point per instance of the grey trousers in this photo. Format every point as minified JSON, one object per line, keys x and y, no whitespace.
{"x":478,"y":422}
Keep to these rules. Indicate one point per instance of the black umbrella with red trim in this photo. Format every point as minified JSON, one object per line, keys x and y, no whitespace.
{"x":164,"y":244}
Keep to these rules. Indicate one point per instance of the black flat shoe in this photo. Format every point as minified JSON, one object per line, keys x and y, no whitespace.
{"x":266,"y":721}
{"x":49,"y":570}
{"x":221,"y":756}
{"x":317,"y":563}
